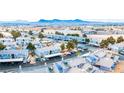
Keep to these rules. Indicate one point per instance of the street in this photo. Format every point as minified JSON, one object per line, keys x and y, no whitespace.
{"x":9,"y":67}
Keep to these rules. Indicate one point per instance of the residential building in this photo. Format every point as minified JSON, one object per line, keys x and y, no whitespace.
{"x":49,"y":51}
{"x":23,"y":41}
{"x":14,"y":56}
{"x":66,"y":38}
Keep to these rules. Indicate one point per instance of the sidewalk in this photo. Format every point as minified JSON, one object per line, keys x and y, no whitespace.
{"x":119,"y":67}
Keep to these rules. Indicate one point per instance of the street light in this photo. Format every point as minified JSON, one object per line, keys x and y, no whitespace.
{"x":62,"y":58}
{"x":63,"y":54}
{"x":20,"y":68}
{"x":45,"y":64}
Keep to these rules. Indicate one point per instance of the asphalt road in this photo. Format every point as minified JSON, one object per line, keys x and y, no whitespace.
{"x":6,"y":67}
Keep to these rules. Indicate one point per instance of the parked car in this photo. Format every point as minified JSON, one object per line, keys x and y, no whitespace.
{"x":121,"y":52}
{"x":40,"y":59}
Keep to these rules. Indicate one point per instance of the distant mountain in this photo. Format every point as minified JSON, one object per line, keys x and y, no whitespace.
{"x":60,"y":21}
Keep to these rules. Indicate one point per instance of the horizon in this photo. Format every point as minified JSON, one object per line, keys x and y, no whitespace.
{"x":92,"y":20}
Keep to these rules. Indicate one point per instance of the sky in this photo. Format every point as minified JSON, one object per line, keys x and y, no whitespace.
{"x":33,"y":10}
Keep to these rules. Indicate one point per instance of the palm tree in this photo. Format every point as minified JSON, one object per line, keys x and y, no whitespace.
{"x":31,"y":47}
{"x":75,"y":42}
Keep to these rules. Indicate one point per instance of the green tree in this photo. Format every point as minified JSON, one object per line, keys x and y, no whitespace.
{"x":78,"y":53}
{"x":15,"y":34}
{"x":104,"y":44}
{"x":62,"y":46}
{"x":59,"y":33}
{"x":41,"y":35}
{"x":73,"y":35}
{"x":30,"y":32}
{"x":87,"y":40}
{"x":111,"y":40}
{"x":70,"y":45}
{"x":79,"y":28}
{"x":120,"y":39}
{"x":33,"y":37}
{"x":31,"y":47}
{"x":1,"y":35}
{"x":2,"y":47}
{"x":7,"y":30}
{"x":42,"y":30}
{"x":74,"y":41}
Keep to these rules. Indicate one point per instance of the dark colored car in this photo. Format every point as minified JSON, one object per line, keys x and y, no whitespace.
{"x":121,"y":52}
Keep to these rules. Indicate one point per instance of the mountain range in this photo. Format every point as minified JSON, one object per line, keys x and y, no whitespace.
{"x":66,"y":21}
{"x":59,"y":22}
